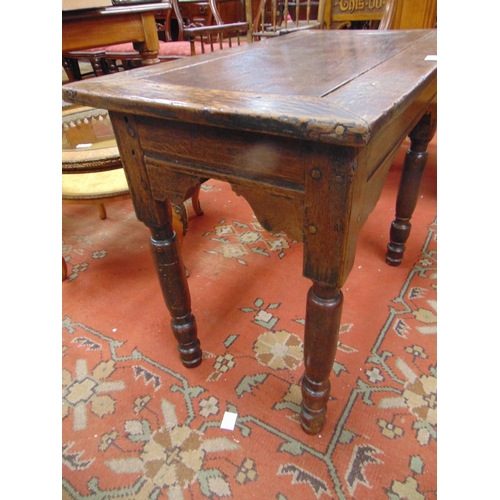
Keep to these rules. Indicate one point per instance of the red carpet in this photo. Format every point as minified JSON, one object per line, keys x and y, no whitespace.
{"x":137,"y":424}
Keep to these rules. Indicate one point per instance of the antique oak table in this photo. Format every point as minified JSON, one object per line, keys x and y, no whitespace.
{"x":305,"y":127}
{"x":88,"y":28}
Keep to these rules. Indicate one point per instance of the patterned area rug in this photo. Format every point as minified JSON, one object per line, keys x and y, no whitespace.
{"x":137,"y":424}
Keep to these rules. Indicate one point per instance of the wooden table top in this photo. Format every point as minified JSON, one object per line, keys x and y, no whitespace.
{"x":328,"y":86}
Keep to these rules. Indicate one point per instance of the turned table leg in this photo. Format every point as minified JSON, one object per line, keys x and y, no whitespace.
{"x":164,"y":244}
{"x":173,"y":282}
{"x":411,"y":179}
{"x":150,"y":47}
{"x":323,"y":312}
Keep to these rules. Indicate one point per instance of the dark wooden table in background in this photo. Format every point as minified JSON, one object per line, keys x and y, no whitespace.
{"x":89,"y":28}
{"x":305,"y":127}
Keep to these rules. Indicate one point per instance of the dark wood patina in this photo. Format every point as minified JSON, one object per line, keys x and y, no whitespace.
{"x":305,"y":127}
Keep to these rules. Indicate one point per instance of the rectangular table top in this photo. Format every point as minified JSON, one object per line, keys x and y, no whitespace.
{"x":329,"y":86}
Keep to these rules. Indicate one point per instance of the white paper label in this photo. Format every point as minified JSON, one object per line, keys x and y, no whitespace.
{"x":228,"y":421}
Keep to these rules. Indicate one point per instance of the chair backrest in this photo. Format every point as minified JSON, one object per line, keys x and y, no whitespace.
{"x":211,"y":38}
{"x":278,"y":17}
{"x":388,"y":15}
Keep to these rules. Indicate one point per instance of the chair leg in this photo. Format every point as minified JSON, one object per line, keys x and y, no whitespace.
{"x":64,"y":269}
{"x":98,"y":66}
{"x":179,"y":222}
{"x":195,"y":199}
{"x":102,"y":210}
{"x":72,"y":69}
{"x":111,"y":65}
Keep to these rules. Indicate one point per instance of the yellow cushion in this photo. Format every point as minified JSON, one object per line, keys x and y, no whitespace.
{"x":95,"y":185}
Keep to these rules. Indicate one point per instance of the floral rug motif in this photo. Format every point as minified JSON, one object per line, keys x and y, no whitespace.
{"x":137,"y":424}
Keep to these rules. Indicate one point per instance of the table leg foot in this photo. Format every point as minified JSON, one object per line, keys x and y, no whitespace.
{"x":411,"y":179}
{"x":400,"y":231}
{"x":172,"y":276}
{"x":313,"y":410}
{"x":323,"y":312}
{"x":188,"y":344}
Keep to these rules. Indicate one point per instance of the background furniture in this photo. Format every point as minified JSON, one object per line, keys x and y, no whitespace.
{"x":94,"y":29}
{"x":346,"y":14}
{"x":309,"y":154}
{"x":406,"y":14}
{"x":89,"y":149}
{"x":191,"y":40}
{"x":235,"y":23}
